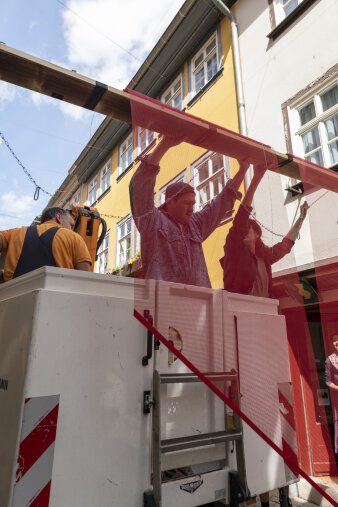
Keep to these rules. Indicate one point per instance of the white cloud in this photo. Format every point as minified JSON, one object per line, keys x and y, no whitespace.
{"x":21,"y":206}
{"x":8,"y":93}
{"x":94,"y":46}
{"x":39,"y":99}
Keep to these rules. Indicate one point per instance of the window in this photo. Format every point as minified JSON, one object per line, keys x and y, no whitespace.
{"x":210,"y":175}
{"x":204,"y":65}
{"x":125,"y":154}
{"x":76,"y":199}
{"x":92,"y":191}
{"x":314,"y":124}
{"x":101,"y":265}
{"x":161,"y":194}
{"x":144,"y":138}
{"x":105,"y":177}
{"x":284,"y":7}
{"x":123,"y":238}
{"x":173,"y":96}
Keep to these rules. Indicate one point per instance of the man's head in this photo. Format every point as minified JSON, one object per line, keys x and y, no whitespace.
{"x":334,"y":340}
{"x":60,"y":216}
{"x":180,"y":201}
{"x":254,"y":233}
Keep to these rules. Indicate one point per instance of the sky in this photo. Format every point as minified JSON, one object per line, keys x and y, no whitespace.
{"x":106,"y":40}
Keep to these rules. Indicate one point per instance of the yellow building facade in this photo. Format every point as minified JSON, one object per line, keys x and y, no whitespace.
{"x":203,"y":86}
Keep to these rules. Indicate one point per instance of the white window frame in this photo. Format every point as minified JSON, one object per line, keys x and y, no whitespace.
{"x":76,"y":198}
{"x":161,"y":193}
{"x":297,"y":130}
{"x":137,"y":240}
{"x":150,"y":137}
{"x":102,"y":262}
{"x":105,"y":175}
{"x":92,"y":185}
{"x":280,"y":9}
{"x":198,"y":185}
{"x":125,"y":150}
{"x":203,"y":63}
{"x":123,"y":239}
{"x":174,"y":94}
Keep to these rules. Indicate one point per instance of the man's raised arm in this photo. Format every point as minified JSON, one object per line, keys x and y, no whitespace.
{"x":142,"y":184}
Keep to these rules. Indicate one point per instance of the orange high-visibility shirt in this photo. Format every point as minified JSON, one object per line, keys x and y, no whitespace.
{"x":68,"y":247}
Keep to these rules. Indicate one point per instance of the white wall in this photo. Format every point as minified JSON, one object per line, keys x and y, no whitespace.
{"x":274,"y":71}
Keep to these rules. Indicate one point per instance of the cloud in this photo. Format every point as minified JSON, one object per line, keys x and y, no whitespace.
{"x":17,"y":209}
{"x":108,"y":40}
{"x":8,"y":93}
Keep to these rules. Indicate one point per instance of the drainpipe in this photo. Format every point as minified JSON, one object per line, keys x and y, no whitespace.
{"x":238,"y":74}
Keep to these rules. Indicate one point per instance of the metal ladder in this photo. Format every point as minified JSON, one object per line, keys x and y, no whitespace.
{"x":238,"y":489}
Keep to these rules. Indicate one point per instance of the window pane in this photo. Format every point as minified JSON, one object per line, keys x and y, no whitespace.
{"x":307,"y":113}
{"x":129,"y":156}
{"x":204,"y":194}
{"x":199,"y":60}
{"x":217,"y":162}
{"x":199,"y":80}
{"x":311,"y":140}
{"x":332,"y":127}
{"x":128,"y":248}
{"x":218,"y":184}
{"x":212,"y":67}
{"x":330,"y":98}
{"x":177,"y":102}
{"x":128,"y":227}
{"x":177,"y":86}
{"x":211,"y":46}
{"x":167,"y":98}
{"x":203,"y":171}
{"x":315,"y":157}
{"x":122,"y":231}
{"x":333,"y":147}
{"x":289,"y":6}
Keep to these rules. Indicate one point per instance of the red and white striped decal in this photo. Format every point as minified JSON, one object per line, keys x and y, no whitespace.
{"x":289,"y":435}
{"x":36,"y":452}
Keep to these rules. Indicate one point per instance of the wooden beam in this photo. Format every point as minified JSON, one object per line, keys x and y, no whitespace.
{"x":38,"y":75}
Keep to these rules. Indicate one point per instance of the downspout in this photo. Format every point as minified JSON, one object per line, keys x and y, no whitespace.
{"x":238,"y":74}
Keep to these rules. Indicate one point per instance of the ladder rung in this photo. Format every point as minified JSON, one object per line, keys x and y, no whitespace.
{"x":177,"y":378}
{"x":178,"y":444}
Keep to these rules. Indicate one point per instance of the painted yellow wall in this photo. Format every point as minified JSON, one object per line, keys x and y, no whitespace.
{"x":217,"y":105}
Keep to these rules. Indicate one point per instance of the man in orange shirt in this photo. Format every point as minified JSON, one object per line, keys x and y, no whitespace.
{"x":52,"y":243}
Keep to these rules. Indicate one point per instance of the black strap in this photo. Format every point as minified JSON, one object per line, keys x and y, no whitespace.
{"x":36,"y":251}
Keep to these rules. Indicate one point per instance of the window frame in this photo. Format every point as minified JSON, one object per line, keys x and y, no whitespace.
{"x":108,"y":166}
{"x":280,"y":14}
{"x":211,"y":177}
{"x":281,"y":22}
{"x":120,"y":168}
{"x":149,"y":141}
{"x":96,"y":177}
{"x":192,"y":93}
{"x":297,"y":130}
{"x":76,"y":198}
{"x":103,"y":252}
{"x":171,"y":88}
{"x":119,"y":225}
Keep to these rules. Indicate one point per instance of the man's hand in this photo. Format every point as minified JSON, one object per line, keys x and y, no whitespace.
{"x":303,"y":210}
{"x":170,"y":142}
{"x":83,"y":266}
